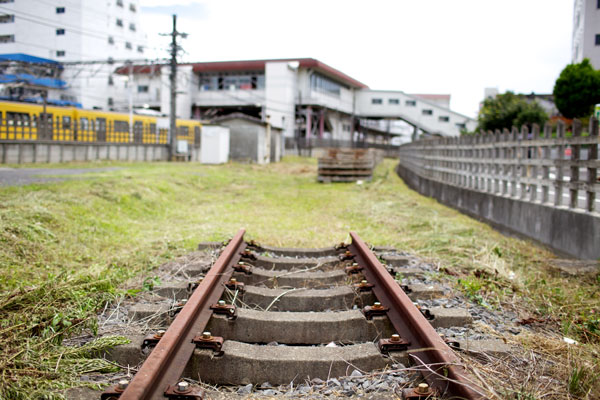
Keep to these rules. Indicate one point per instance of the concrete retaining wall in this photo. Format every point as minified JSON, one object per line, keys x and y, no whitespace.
{"x":568,"y":231}
{"x":19,"y":152}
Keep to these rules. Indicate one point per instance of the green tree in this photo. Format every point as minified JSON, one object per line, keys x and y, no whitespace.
{"x":577,"y":89}
{"x":508,"y":109}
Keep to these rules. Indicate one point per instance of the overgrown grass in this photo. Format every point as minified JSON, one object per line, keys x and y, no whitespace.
{"x":66,"y":247}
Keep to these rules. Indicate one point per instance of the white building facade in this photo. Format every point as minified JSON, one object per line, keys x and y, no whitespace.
{"x":89,"y":33}
{"x":586,"y":32}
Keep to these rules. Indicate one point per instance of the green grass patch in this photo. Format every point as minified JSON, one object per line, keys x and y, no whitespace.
{"x":66,"y":247}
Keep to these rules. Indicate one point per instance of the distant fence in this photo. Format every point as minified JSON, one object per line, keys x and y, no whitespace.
{"x":295,"y":146}
{"x":541,"y":184}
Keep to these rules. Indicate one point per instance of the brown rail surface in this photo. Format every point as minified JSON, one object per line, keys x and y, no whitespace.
{"x":167,"y":361}
{"x":437,"y":362}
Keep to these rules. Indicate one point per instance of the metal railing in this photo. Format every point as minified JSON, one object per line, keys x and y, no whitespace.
{"x":553,"y":167}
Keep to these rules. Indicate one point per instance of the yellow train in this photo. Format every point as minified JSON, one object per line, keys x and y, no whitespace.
{"x":24,"y":121}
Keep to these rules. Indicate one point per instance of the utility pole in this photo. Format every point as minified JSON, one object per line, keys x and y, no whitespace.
{"x":173,"y":88}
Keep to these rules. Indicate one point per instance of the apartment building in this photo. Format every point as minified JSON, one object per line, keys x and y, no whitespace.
{"x":82,"y":35}
{"x":586,"y":32}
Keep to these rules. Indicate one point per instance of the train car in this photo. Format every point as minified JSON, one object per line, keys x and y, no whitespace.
{"x":24,"y":121}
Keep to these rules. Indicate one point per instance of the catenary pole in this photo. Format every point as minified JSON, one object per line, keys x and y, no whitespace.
{"x":173,"y":91}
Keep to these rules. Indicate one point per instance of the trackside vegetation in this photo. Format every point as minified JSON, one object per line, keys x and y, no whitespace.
{"x":68,"y":248}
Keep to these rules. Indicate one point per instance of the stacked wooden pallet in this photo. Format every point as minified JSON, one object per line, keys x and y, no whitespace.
{"x":346,"y":165}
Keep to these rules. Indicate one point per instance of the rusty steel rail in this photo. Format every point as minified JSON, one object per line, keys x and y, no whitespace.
{"x":169,"y":358}
{"x":436,"y":361}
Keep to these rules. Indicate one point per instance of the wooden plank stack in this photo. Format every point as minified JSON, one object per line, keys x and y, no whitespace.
{"x":346,"y":165}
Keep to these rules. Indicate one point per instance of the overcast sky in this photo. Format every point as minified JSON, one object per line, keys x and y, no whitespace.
{"x":417,"y":46}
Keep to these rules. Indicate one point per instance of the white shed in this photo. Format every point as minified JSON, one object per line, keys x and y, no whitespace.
{"x":214,"y":144}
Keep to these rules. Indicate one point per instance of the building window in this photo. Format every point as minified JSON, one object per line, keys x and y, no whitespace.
{"x":110,"y":101}
{"x":60,"y":31}
{"x":597,"y":40}
{"x":598,"y":5}
{"x":5,"y":19}
{"x":111,"y":81}
{"x":60,"y":53}
{"x":132,"y":7}
{"x":7,"y":1}
{"x":111,"y":40}
{"x":322,"y":84}
{"x":60,"y":10}
{"x":461,"y":126}
{"x":376,"y":101}
{"x":7,"y":38}
{"x":143,"y":89}
{"x":140,"y":49}
{"x":119,"y":22}
{"x":234,"y":81}
{"x":394,"y":101}
{"x":128,"y":45}
{"x":411,"y":103}
{"x":132,"y":27}
{"x":120,"y":3}
{"x":427,"y":112}
{"x":444,"y":119}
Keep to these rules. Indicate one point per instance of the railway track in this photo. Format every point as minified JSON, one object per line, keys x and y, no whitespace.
{"x":277,"y":315}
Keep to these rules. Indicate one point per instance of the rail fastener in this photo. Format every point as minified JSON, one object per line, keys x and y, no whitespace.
{"x":193,"y":285}
{"x":234,"y":285}
{"x":363,"y":286}
{"x":183,"y":391}
{"x":152,"y":340}
{"x":375,"y":310}
{"x":353,"y":269}
{"x":115,"y":391}
{"x":210,"y":342}
{"x":221,"y":308}
{"x":394,"y":343}
{"x":421,"y":392}
{"x":346,"y":256}
{"x":243,"y":267}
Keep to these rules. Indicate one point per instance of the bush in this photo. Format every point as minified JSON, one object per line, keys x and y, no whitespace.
{"x":577,"y":90}
{"x":509,"y":109}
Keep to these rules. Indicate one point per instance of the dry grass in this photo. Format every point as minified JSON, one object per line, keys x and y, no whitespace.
{"x":67,"y":247}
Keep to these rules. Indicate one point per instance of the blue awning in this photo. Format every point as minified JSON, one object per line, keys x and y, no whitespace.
{"x":27,"y":58}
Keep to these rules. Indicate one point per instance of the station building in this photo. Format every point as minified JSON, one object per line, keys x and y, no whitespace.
{"x":304,"y":97}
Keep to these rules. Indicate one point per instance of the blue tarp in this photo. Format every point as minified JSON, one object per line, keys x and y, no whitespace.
{"x":39,"y":100}
{"x":26,"y":58}
{"x":33,"y":80}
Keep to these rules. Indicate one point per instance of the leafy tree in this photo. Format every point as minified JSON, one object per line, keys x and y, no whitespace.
{"x":577,"y":89}
{"x":508,"y":109}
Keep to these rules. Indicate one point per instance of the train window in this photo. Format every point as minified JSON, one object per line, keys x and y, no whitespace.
{"x":66,"y":122}
{"x":152,"y":128}
{"x":121,"y":126}
{"x":84,"y":123}
{"x":17,"y":118}
{"x":100,"y":124}
{"x":182,"y":130}
{"x":34,"y":121}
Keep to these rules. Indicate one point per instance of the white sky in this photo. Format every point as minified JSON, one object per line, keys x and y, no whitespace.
{"x":420,"y":46}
